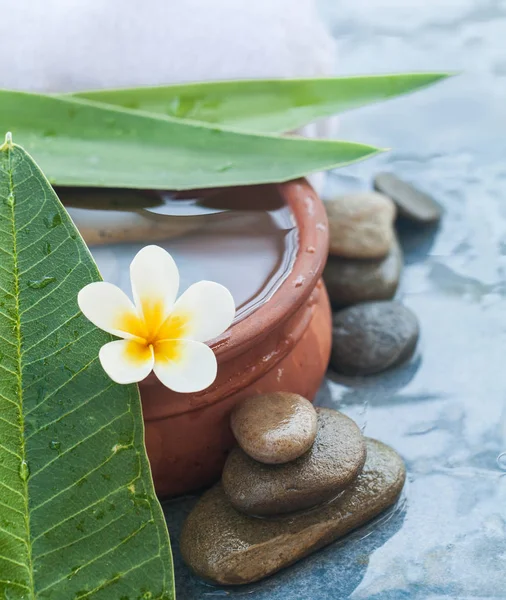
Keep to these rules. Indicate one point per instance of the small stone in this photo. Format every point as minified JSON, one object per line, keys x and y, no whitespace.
{"x":332,"y":463}
{"x":275,"y":428}
{"x":361,"y":225}
{"x":372,"y":337}
{"x":411,"y":202}
{"x":229,"y":548}
{"x":351,"y":281}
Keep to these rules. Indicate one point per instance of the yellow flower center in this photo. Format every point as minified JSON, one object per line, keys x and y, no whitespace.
{"x":153,"y":330}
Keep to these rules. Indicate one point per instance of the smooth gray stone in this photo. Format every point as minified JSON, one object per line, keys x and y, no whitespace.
{"x":227,"y":547}
{"x":372,"y":337}
{"x":350,"y":281}
{"x":326,"y":469}
{"x":411,"y":203}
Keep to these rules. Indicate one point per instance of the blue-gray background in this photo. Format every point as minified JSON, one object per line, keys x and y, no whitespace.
{"x":444,"y":412}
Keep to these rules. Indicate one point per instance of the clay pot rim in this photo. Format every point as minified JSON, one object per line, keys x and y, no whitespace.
{"x":313,"y":240}
{"x":248,"y":333}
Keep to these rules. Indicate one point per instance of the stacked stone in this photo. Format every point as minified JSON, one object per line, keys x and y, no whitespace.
{"x":300,"y":479}
{"x":363,"y":271}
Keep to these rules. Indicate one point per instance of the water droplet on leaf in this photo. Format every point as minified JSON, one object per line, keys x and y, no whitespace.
{"x":55,"y":445}
{"x":73,"y":571}
{"x":225,"y":167}
{"x":9,"y":201}
{"x":52,"y":222}
{"x":38,"y":284}
{"x":24,"y":470}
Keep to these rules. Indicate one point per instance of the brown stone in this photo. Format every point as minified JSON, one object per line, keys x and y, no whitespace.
{"x":332,"y":463}
{"x":274,"y":428}
{"x":361,"y":225}
{"x":227,"y":547}
{"x":351,"y":281}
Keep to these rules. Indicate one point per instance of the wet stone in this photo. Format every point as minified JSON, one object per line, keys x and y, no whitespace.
{"x":361,"y":225}
{"x":326,"y":469}
{"x":228,"y":547}
{"x":274,"y":428}
{"x":350,"y":281}
{"x":372,"y":337}
{"x":412,"y":203}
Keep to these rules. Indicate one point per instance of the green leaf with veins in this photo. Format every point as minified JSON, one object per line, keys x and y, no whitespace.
{"x":78,"y":514}
{"x":83,"y":143}
{"x":265,"y":106}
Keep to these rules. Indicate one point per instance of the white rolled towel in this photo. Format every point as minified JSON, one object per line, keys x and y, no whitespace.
{"x":69,"y":45}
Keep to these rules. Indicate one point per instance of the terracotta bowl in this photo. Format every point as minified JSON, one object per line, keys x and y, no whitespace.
{"x":284,"y":345}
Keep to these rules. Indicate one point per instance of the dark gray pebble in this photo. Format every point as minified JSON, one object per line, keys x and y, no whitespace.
{"x":352,"y":281}
{"x":372,"y":337}
{"x":412,"y":203}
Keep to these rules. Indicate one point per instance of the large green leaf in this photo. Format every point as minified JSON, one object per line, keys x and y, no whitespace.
{"x":81,"y":143}
{"x":78,"y":515}
{"x":265,"y":106}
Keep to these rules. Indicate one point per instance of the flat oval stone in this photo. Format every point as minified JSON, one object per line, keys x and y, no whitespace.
{"x":351,"y":281}
{"x":411,"y":202}
{"x":274,"y":428}
{"x":332,"y":463}
{"x":360,"y":225}
{"x":230,"y":548}
{"x":372,"y":337}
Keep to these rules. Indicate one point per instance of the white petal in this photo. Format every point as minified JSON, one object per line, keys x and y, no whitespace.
{"x":154,"y":277}
{"x":126,"y":361}
{"x":108,"y":307}
{"x":186,"y":366}
{"x":208,"y":309}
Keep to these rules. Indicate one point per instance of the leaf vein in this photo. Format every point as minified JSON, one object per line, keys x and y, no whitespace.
{"x":82,"y":441}
{"x":9,"y":451}
{"x":11,"y":508}
{"x":61,"y":350}
{"x":62,"y":491}
{"x":16,"y":537}
{"x":33,"y":346}
{"x":121,"y":575}
{"x":11,"y":489}
{"x":76,"y":514}
{"x":67,"y":381}
{"x":14,"y":562}
{"x":26,"y":271}
{"x":82,"y":537}
{"x":98,"y":557}
{"x":48,"y":424}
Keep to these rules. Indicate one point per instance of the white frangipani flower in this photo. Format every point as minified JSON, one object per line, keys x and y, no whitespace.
{"x":159,"y":333}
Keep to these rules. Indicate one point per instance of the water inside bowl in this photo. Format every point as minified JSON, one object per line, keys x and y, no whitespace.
{"x":244,"y":238}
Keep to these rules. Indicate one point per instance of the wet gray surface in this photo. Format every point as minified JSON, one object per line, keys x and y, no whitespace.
{"x":445,"y":412}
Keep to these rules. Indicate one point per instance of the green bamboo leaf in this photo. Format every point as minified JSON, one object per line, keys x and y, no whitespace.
{"x":265,"y":106}
{"x":78,"y":515}
{"x":81,"y":143}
